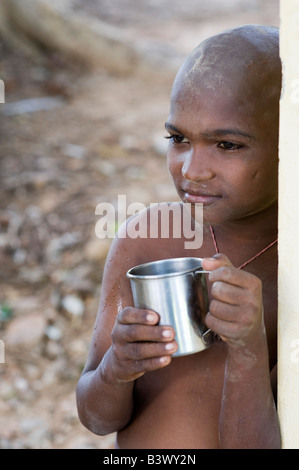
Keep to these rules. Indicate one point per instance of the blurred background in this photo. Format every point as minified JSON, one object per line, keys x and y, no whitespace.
{"x":87,"y":85}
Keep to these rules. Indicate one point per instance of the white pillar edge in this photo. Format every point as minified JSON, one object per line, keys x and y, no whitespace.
{"x":288,"y":225}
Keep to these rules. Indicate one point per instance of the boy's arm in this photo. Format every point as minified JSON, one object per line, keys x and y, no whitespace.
{"x":103,"y":407}
{"x":104,"y":392}
{"x":126,"y":343}
{"x":248,"y":417}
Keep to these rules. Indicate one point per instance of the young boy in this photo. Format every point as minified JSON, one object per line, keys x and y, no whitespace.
{"x":223,"y":154}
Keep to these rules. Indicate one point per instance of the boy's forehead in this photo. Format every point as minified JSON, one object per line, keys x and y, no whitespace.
{"x":241,"y":59}
{"x":226,"y":94}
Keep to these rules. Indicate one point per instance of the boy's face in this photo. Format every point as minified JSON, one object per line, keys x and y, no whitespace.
{"x":223,"y":148}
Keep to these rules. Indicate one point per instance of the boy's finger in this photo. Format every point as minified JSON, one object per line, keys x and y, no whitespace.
{"x":148,"y":333}
{"x":217,"y":261}
{"x":131,"y":315}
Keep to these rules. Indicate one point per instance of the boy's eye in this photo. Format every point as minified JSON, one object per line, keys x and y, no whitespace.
{"x":229,"y":145}
{"x":177,"y":139}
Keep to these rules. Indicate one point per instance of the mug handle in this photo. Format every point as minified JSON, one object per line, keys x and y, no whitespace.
{"x":206,"y":340}
{"x":196,"y":276}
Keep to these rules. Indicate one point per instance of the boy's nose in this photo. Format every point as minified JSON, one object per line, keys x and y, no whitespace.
{"x":197,"y":165}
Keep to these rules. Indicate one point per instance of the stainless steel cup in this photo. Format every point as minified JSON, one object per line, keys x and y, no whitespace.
{"x":176,"y":289}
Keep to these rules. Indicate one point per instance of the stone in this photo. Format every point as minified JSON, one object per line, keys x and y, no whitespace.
{"x":25,"y":330}
{"x":73,"y":305}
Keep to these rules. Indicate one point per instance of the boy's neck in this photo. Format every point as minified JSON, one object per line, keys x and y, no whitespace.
{"x":262,"y":226}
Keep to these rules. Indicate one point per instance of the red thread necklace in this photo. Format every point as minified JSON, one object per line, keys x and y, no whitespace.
{"x":248,"y":261}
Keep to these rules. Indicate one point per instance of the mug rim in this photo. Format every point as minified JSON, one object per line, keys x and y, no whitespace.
{"x":131,"y":275}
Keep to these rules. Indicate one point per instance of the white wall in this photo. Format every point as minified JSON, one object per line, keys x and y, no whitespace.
{"x":288,"y":246}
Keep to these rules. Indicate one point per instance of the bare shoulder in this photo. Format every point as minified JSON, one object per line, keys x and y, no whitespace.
{"x":164,"y":230}
{"x":145,"y":236}
{"x":157,"y":232}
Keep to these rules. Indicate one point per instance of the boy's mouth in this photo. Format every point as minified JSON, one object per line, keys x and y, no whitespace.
{"x":200,"y":197}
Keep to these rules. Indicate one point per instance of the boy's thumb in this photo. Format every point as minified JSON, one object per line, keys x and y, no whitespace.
{"x":209,"y":264}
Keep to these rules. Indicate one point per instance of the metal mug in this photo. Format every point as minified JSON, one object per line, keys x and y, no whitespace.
{"x":176,"y":289}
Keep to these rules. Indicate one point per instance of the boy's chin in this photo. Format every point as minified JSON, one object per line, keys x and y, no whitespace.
{"x":202,"y":215}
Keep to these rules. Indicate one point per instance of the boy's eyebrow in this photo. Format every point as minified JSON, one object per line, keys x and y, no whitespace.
{"x":169,"y":126}
{"x":214,"y":132}
{"x":230,"y":131}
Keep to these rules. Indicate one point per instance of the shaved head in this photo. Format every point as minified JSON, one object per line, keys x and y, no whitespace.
{"x":246,"y":57}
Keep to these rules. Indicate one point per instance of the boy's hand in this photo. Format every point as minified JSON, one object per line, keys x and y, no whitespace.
{"x":139,"y":344}
{"x":236,"y":307}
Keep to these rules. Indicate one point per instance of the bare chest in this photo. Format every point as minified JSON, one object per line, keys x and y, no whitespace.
{"x":179,"y":405}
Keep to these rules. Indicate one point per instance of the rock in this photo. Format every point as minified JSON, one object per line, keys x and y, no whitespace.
{"x":31,"y":105}
{"x":74,"y":151}
{"x":73,"y":305}
{"x":25,"y":330}
{"x":53,"y":350}
{"x":57,"y":245}
{"x":53,"y":332}
{"x":32,"y":275}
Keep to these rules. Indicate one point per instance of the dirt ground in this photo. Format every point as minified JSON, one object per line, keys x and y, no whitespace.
{"x":100,"y":136}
